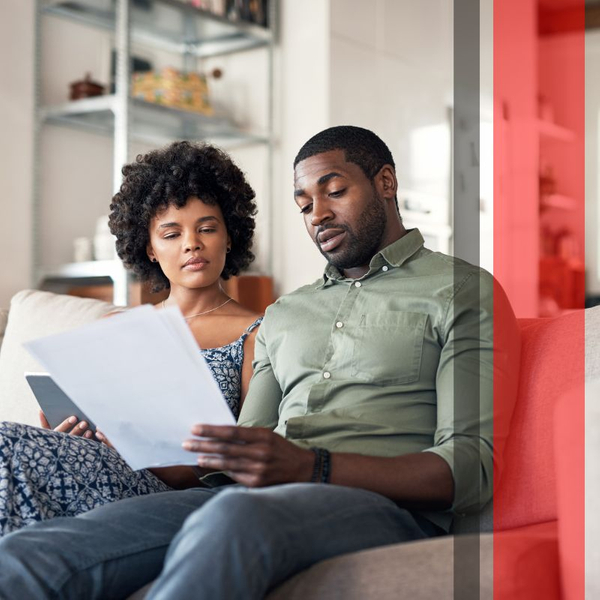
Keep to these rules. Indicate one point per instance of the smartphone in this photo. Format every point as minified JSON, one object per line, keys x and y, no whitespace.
{"x":55,"y":404}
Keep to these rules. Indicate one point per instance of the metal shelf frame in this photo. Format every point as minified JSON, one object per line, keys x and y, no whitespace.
{"x":201,"y":34}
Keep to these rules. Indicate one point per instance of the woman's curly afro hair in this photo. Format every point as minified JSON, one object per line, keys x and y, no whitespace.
{"x":170,"y":176}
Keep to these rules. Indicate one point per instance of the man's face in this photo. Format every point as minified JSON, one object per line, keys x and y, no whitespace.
{"x":343,"y":212}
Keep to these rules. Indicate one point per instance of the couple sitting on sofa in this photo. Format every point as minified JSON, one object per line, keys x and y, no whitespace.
{"x":368,"y":420}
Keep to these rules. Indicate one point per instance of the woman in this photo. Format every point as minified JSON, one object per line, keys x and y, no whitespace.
{"x":184,"y":220}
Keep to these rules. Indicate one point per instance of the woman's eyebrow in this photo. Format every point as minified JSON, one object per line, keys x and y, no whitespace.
{"x":165,"y":225}
{"x":176,"y":224}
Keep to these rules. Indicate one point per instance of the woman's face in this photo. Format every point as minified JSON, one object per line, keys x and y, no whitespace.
{"x":190,"y":243}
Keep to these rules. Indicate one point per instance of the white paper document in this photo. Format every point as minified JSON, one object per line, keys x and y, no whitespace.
{"x":141,"y":378}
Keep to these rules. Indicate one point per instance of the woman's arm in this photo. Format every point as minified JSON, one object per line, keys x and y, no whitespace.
{"x":180,"y":477}
{"x":247,"y":364}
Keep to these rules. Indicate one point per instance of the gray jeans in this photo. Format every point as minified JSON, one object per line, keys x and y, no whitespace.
{"x":230,"y":542}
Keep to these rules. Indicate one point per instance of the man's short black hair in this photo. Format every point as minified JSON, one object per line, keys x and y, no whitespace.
{"x":361,"y":147}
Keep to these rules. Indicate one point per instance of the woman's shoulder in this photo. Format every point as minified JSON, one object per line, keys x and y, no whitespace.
{"x":244,"y":315}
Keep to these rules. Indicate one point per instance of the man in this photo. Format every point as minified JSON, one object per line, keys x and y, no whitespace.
{"x":368,"y":421}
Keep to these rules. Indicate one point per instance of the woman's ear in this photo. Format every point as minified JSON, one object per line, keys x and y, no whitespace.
{"x":228,"y":244}
{"x":150,"y":253}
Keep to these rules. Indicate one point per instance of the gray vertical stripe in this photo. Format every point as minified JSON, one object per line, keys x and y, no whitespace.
{"x":466,"y":224}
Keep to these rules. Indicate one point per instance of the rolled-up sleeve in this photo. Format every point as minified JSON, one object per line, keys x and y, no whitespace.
{"x":261,"y":406}
{"x":479,"y":360}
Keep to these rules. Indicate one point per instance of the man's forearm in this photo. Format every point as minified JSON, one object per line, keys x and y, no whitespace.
{"x":422,"y":480}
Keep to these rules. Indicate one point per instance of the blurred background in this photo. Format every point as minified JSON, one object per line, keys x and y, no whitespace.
{"x":88,"y":84}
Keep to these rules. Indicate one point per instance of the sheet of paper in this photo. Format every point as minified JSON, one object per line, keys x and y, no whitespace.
{"x":140,"y":376}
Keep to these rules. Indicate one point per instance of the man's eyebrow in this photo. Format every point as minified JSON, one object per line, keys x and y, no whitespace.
{"x":321,"y":181}
{"x":325,"y":178}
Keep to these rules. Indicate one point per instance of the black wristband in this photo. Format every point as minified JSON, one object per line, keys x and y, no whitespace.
{"x":322,"y":468}
{"x":326,"y":468}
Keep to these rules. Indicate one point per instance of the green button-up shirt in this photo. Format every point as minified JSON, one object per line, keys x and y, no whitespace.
{"x":374,"y":365}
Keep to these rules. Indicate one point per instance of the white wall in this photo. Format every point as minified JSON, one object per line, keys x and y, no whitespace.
{"x":385,"y":65}
{"x":16,"y":107}
{"x":303,"y":109}
{"x":391,"y":71}
{"x":592,"y":141}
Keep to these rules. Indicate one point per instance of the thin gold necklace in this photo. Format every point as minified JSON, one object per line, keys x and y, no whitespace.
{"x":202,"y":313}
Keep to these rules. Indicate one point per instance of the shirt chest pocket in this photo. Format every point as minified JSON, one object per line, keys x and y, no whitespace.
{"x":389,"y":347}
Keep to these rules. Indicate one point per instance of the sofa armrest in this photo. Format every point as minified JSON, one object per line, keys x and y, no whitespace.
{"x":577,"y":527}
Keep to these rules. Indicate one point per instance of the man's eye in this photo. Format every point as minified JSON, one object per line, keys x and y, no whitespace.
{"x":336,"y":193}
{"x":305,"y":209}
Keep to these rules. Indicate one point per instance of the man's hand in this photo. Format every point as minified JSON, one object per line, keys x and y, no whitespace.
{"x":253,"y":456}
{"x":70,"y":425}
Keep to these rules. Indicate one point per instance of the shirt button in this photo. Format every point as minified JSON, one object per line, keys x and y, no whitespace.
{"x":358,"y":284}
{"x":339,"y":324}
{"x":327,"y":375}
{"x":384,"y":268}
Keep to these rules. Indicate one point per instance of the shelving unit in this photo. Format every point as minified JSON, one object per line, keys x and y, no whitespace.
{"x":561,"y":273}
{"x":148,"y":122}
{"x":552,"y":131}
{"x":166,"y":25}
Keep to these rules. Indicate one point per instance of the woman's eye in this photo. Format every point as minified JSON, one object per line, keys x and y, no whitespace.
{"x":207,"y":230}
{"x":170,"y":236}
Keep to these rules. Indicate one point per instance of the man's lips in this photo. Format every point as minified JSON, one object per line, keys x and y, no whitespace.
{"x":330,"y":239}
{"x":195,"y":264}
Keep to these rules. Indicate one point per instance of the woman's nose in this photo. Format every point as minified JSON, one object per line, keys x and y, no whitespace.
{"x":193,"y":242}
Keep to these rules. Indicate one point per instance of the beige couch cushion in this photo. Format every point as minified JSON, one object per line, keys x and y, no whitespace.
{"x":427,"y":570}
{"x":3,"y":321}
{"x":35,"y":314}
{"x":592,"y":343}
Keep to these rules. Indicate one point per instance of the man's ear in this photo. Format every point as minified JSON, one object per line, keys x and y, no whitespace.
{"x":386,"y":181}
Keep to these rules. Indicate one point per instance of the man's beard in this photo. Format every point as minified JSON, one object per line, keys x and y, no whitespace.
{"x":360,"y":247}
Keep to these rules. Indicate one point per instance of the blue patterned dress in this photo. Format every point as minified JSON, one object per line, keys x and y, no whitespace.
{"x":46,"y":474}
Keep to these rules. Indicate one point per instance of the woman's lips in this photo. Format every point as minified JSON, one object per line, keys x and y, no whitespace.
{"x":195,"y":265}
{"x":332,"y":242}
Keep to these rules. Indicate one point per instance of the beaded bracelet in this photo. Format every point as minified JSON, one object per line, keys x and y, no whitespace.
{"x":322,"y":468}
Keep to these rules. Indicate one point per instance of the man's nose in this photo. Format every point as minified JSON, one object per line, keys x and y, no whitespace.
{"x":321,"y":213}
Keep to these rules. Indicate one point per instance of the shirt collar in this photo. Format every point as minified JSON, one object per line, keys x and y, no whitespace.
{"x":394,"y":255}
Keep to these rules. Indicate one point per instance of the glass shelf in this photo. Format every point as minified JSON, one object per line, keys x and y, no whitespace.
{"x":552,"y":131}
{"x":558,"y":201}
{"x":110,"y":269}
{"x":149,"y":122}
{"x":168,"y":24}
{"x":89,"y":273}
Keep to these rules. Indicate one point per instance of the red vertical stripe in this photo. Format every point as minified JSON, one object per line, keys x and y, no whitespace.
{"x":539,"y":222}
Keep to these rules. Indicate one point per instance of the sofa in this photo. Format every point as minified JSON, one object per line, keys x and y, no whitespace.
{"x":538,"y":529}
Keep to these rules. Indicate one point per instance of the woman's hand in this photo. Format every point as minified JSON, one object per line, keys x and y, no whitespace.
{"x":102,"y":438}
{"x":253,"y":456}
{"x":70,"y":425}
